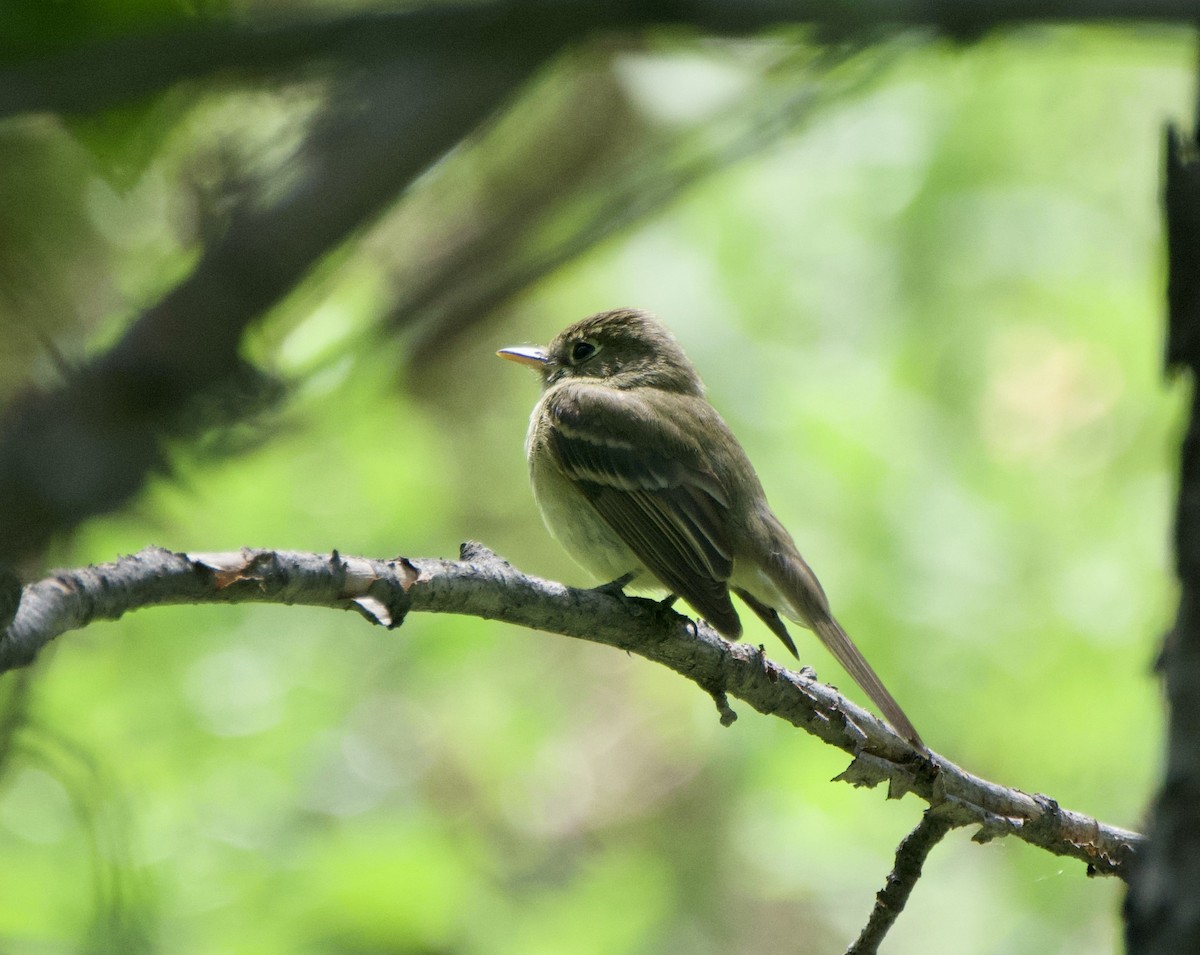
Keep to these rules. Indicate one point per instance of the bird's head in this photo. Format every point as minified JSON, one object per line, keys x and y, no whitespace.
{"x":625,"y":348}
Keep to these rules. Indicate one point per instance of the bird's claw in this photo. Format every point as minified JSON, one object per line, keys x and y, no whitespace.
{"x":616,"y":588}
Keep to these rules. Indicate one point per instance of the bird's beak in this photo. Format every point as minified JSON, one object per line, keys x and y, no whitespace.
{"x":529,"y":355}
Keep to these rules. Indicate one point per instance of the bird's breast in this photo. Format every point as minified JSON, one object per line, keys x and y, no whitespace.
{"x":570,"y":517}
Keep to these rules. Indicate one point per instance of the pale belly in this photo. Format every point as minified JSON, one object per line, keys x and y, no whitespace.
{"x":583,"y":533}
{"x":595,"y":546}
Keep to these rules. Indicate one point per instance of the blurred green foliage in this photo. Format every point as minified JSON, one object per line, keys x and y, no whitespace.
{"x":38,"y":27}
{"x":932,"y":314}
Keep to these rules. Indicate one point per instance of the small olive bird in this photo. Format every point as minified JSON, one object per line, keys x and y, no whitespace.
{"x":636,"y":474}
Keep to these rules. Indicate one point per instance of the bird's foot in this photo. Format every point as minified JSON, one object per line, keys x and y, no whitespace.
{"x":616,"y":588}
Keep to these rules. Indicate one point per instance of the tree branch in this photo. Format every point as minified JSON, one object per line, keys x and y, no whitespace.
{"x":110,"y":72}
{"x":891,"y":899}
{"x":483,"y":585}
{"x":106,"y":73}
{"x":87,"y":446}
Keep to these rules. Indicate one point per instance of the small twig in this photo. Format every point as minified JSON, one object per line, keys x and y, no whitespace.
{"x":891,"y":899}
{"x":728,"y":716}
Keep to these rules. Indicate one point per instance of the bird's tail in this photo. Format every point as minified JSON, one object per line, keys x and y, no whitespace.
{"x":849,"y":656}
{"x":808,"y":605}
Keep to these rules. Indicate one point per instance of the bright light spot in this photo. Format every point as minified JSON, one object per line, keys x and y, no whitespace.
{"x":681,"y":89}
{"x":1043,"y":390}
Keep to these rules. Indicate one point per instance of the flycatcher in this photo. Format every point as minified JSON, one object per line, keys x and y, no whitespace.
{"x":640,"y":479}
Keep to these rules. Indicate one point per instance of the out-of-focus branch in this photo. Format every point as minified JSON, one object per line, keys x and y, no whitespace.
{"x":482,"y":585}
{"x":423,"y":79}
{"x":115,"y":71}
{"x":603,"y":176}
{"x":87,"y":446}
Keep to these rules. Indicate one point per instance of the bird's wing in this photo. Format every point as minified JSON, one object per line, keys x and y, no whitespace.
{"x":647,"y":478}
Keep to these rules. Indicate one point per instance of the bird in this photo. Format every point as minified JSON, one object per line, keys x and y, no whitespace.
{"x":642,"y":482}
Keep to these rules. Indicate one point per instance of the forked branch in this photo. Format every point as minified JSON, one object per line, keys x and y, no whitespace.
{"x":481,"y":584}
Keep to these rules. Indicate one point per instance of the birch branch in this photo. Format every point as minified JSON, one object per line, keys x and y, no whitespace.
{"x":481,"y":584}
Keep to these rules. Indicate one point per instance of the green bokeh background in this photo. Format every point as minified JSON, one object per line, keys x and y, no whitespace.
{"x":932,"y":313}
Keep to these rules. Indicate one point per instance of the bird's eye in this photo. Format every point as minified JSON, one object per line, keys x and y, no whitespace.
{"x":582,"y":351}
